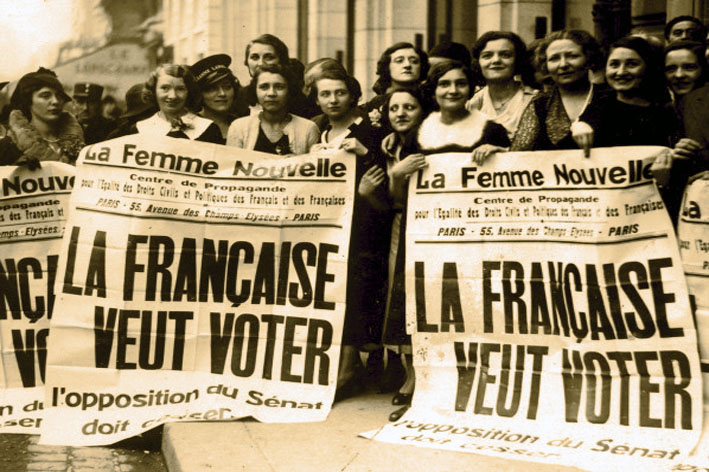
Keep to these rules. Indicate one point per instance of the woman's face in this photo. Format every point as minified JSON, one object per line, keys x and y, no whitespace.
{"x":625,"y":70}
{"x":46,"y":105}
{"x":333,"y":98}
{"x":260,"y":54}
{"x":405,"y":66}
{"x":272,"y":92}
{"x":405,"y":111}
{"x":219,"y":96}
{"x":497,"y":60}
{"x":452,"y":90}
{"x":171,"y":94}
{"x":566,"y":62}
{"x":682,"y":70}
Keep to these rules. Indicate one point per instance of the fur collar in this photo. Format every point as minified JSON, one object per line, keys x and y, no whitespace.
{"x":31,"y":144}
{"x":434,"y":134}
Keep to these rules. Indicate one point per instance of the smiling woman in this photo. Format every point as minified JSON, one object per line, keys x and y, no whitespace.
{"x":453,"y":128}
{"x":173,"y":90}
{"x":500,"y":60}
{"x":546,"y":122}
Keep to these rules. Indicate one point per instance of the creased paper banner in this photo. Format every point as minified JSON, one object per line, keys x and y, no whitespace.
{"x":197,"y":282}
{"x":33,"y":210}
{"x":549,"y":312}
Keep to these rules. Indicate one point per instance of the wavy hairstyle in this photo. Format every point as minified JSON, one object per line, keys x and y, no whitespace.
{"x":283,"y":71}
{"x":439,"y":70}
{"x":590,"y":47}
{"x":279,"y":47}
{"x":522,"y":67}
{"x":697,"y":48}
{"x":353,"y":86}
{"x":415,"y":92}
{"x":652,"y":86}
{"x":384,"y":75}
{"x":180,"y":71}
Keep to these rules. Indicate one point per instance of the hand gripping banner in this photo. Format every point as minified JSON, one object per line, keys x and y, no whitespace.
{"x":197,"y":282}
{"x":549,"y":312}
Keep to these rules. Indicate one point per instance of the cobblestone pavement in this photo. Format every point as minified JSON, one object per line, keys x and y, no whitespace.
{"x":20,"y":453}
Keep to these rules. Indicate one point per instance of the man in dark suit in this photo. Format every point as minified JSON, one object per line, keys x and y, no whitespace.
{"x":87,"y":97}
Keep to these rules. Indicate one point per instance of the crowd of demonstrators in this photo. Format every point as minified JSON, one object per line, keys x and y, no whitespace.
{"x":558,"y":92}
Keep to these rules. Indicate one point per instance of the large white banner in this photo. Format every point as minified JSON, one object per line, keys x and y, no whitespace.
{"x":33,"y":207}
{"x":197,"y":282}
{"x":693,"y":235}
{"x":549,"y":312}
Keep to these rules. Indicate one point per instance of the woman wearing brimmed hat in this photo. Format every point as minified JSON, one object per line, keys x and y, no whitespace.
{"x":218,"y":86}
{"x":173,"y":90}
{"x":38,"y":127}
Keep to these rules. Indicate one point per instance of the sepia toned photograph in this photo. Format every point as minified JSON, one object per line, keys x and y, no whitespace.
{"x":354,"y":235}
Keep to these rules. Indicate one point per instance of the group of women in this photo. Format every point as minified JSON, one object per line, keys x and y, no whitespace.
{"x":499,"y":102}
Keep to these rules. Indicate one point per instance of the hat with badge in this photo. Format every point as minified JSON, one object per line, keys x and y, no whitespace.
{"x":211,"y":69}
{"x":92,"y":92}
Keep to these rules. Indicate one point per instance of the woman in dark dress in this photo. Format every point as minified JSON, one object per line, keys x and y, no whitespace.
{"x":546,"y":124}
{"x":337,"y":95}
{"x":218,"y":87}
{"x":638,"y":113}
{"x":451,"y":128}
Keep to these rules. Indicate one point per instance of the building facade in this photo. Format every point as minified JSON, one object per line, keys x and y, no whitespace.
{"x":357,"y":31}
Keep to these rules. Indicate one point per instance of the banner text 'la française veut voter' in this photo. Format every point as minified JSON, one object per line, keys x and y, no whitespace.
{"x":197,"y":282}
{"x":549,"y":312}
{"x":33,"y":208}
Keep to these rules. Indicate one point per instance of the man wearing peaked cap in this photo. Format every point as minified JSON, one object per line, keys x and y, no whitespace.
{"x":87,"y":97}
{"x":219,"y":89}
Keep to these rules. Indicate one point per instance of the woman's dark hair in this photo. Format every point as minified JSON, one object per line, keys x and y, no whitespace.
{"x":590,"y":47}
{"x":384,"y":75}
{"x":522,"y":64}
{"x":315,"y":69}
{"x":279,"y":47}
{"x":415,"y":92}
{"x":28,"y":84}
{"x":438,"y":71}
{"x":697,"y":49}
{"x":652,"y":86}
{"x":351,"y":83}
{"x":194,"y":94}
{"x":283,"y":71}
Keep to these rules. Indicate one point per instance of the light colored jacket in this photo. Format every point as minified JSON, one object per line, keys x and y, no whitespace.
{"x":301,"y":133}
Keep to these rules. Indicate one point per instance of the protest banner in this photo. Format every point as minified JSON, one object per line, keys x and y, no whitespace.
{"x":549,"y":313}
{"x":197,"y":282}
{"x":33,"y":208}
{"x":693,"y":235}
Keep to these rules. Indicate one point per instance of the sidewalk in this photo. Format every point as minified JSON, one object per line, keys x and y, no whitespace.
{"x":332,"y":445}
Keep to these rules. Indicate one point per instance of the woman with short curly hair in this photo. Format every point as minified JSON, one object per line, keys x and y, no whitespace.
{"x":546,"y":123}
{"x":400,"y":66}
{"x":501,"y":62}
{"x":174,"y":91}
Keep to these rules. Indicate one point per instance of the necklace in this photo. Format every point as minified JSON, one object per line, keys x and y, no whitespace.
{"x":503,"y":103}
